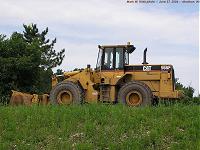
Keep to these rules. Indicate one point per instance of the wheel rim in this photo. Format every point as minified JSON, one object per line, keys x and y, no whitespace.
{"x":134,"y":98}
{"x":64,"y":97}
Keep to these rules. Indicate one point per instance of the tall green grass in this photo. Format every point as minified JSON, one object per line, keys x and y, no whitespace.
{"x":100,"y":127}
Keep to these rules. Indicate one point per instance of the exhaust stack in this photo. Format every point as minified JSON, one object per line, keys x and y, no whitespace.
{"x":144,"y":57}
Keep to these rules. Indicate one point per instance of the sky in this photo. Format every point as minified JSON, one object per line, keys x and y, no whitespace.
{"x":169,"y":31}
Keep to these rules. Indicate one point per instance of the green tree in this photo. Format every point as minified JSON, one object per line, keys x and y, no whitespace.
{"x":188,"y":90}
{"x":26,"y":61}
{"x":49,"y":57}
{"x":18,"y":63}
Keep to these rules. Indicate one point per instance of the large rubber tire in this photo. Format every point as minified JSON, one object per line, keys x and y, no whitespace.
{"x":135,"y":93}
{"x":66,"y":93}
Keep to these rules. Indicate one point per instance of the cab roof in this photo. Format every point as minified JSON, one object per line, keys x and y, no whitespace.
{"x":129,"y":48}
{"x":115,"y":46}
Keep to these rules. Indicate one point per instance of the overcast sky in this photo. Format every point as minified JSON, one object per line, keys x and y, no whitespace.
{"x":169,"y":31}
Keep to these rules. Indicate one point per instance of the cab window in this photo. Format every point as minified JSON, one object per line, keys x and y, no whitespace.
{"x":98,"y":66}
{"x":126,"y":58}
{"x":108,"y":58}
{"x":119,"y":64}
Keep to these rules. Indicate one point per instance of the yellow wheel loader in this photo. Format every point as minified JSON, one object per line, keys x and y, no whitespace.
{"x":114,"y":80}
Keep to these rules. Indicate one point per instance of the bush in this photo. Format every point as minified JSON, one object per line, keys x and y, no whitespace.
{"x":196,"y":100}
{"x":4,"y":100}
{"x":185,"y":101}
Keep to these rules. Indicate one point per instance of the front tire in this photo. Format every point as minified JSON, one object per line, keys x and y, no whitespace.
{"x":66,"y":93}
{"x":135,"y":94}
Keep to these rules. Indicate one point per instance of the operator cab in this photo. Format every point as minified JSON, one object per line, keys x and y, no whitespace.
{"x":114,"y":57}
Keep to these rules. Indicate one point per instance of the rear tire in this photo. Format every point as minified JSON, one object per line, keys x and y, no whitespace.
{"x":135,"y":93}
{"x":66,"y":93}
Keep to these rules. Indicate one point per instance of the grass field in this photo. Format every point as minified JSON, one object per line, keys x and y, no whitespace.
{"x":100,"y":127}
